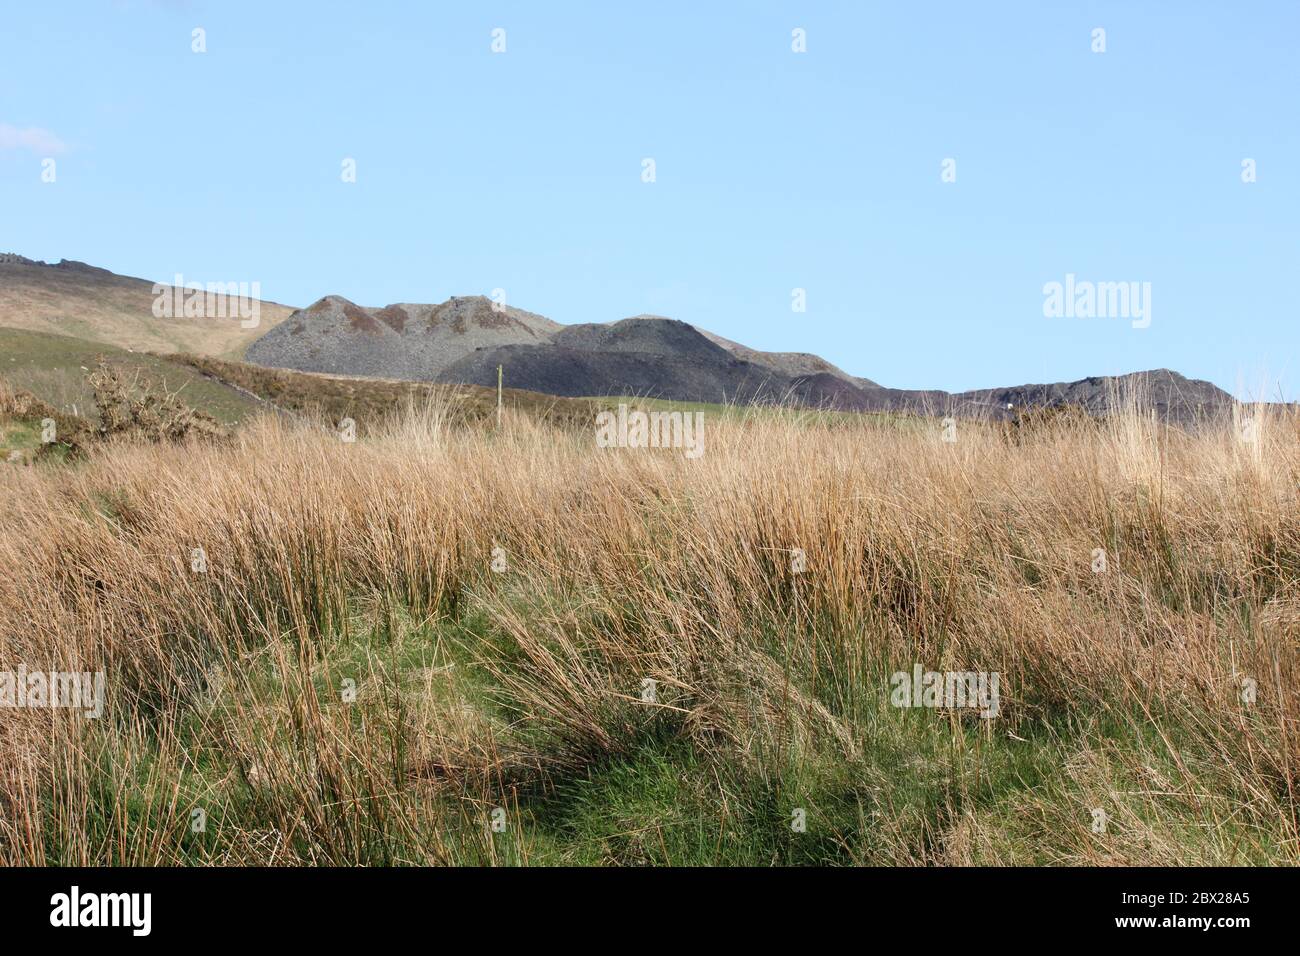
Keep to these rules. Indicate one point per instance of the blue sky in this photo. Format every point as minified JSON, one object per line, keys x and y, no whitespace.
{"x":775,"y":170}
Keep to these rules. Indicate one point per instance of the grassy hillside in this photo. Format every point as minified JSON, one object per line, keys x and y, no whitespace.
{"x":54,"y":368}
{"x":485,"y":646}
{"x":371,"y":401}
{"x":23,"y":436}
{"x":99,"y":306}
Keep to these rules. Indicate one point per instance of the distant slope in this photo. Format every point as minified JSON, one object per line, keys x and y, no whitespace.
{"x":645,"y":334}
{"x":465,"y":339}
{"x":1170,"y":395}
{"x":371,"y":400}
{"x":462,"y":342}
{"x":72,"y":298}
{"x":788,"y":363}
{"x":401,"y":341}
{"x":54,"y":369}
{"x":651,"y":357}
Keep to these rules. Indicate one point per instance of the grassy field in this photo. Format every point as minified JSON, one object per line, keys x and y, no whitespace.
{"x":449,"y":644}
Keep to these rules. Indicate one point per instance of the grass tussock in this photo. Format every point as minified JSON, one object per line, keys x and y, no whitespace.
{"x":444,"y":644}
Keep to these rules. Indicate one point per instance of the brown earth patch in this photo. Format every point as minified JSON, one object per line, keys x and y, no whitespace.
{"x":360,"y":318}
{"x":394,"y":316}
{"x":487,"y":318}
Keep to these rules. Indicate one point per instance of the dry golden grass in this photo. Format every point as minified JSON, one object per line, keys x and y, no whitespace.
{"x":521,"y":691}
{"x":99,"y":306}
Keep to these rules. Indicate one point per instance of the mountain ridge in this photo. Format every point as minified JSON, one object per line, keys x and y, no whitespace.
{"x":465,"y":338}
{"x":656,"y":357}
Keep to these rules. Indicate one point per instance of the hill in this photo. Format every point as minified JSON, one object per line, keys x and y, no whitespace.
{"x":72,"y":298}
{"x":463,"y":340}
{"x":368,"y":400}
{"x":652,"y":357}
{"x":54,"y":369}
{"x":789,"y":363}
{"x":400,"y":341}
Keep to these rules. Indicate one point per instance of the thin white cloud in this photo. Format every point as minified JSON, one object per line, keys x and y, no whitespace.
{"x":40,"y":141}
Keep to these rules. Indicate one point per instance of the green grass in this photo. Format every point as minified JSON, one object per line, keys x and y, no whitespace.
{"x":923,"y":788}
{"x":54,"y":369}
{"x":19,"y":435}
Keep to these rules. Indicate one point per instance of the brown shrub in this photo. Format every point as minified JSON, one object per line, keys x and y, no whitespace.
{"x":141,"y":409}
